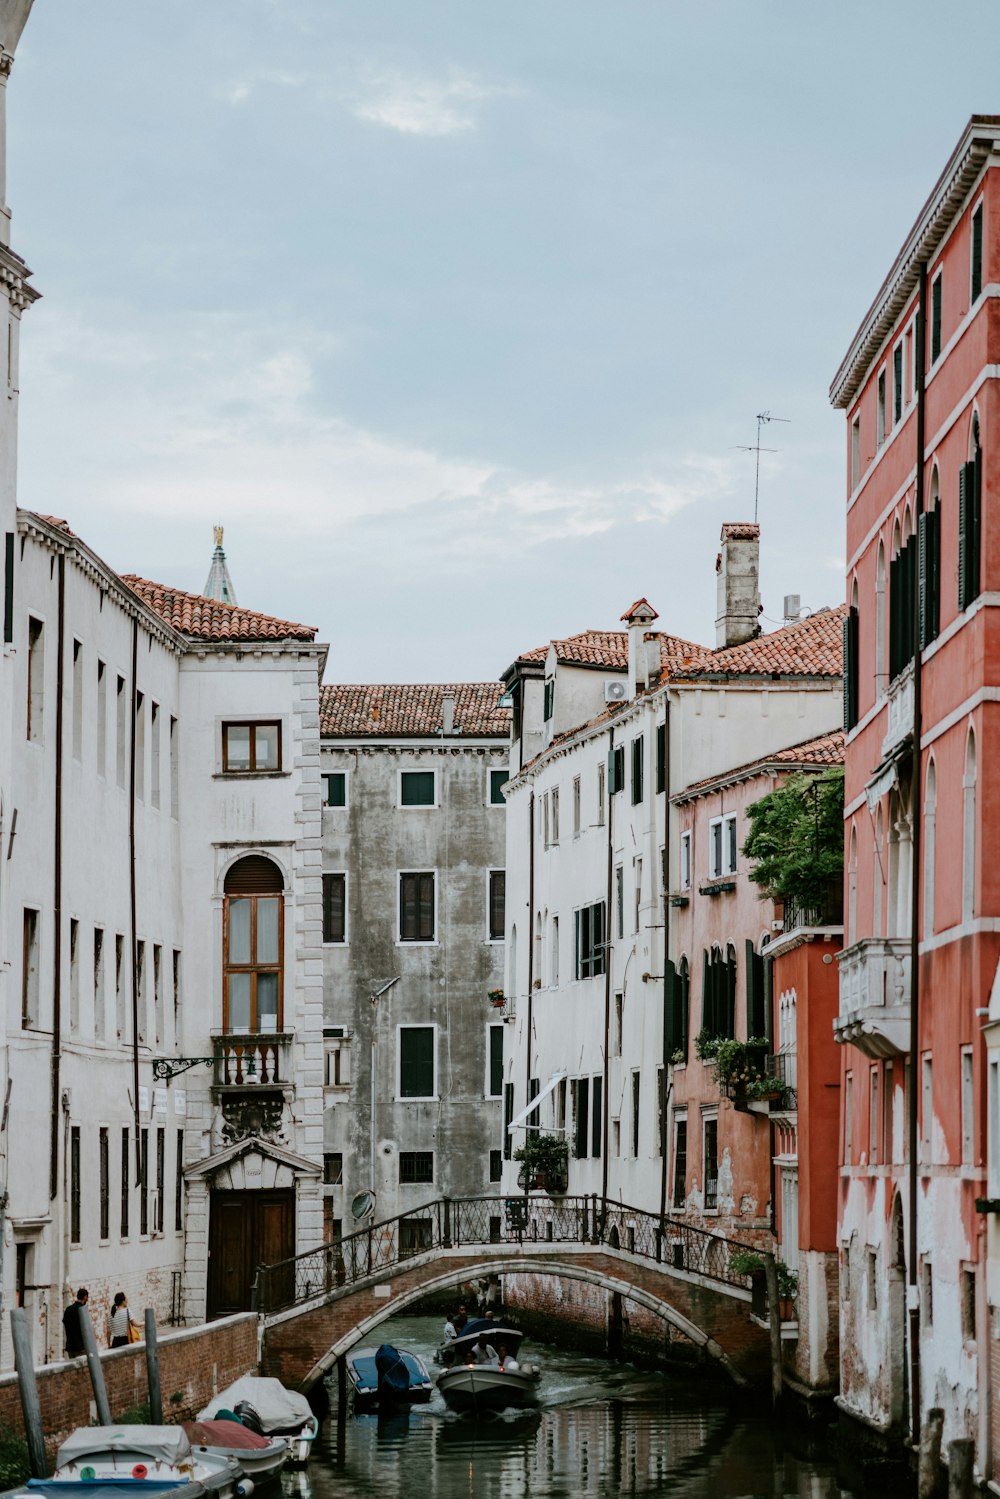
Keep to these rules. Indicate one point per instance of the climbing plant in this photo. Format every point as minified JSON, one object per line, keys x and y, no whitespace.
{"x":796,"y":839}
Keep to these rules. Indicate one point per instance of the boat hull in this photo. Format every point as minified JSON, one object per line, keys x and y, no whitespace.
{"x":478,"y":1387}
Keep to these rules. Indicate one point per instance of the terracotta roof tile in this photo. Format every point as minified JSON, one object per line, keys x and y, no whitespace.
{"x":811,"y":647}
{"x":823,"y":752}
{"x":209,"y":619}
{"x":411,"y":710}
{"x":736,"y":530}
{"x":641,"y":606}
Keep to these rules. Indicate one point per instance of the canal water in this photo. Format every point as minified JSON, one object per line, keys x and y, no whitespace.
{"x":600,"y":1430}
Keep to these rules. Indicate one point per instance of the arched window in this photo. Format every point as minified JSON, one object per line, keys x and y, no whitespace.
{"x":930,"y":817}
{"x":852,"y":889}
{"x":253,"y":922}
{"x":878,"y":874}
{"x":929,"y":564}
{"x":970,"y":490}
{"x":969,"y":829}
{"x":881,"y":669}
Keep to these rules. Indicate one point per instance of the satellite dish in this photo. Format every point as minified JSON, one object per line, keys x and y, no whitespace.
{"x":363,"y":1205}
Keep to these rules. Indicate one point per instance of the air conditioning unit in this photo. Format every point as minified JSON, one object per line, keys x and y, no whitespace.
{"x":615,"y":691}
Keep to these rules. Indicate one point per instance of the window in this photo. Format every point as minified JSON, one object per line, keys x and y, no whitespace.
{"x":848,"y":1119}
{"x":416,"y":1166}
{"x":636,"y":1079}
{"x":496,"y":1165}
{"x":680,"y":1159}
{"x":334,"y":908}
{"x":179,"y":1185}
{"x":678,"y":1011}
{"x":851,"y":664}
{"x":661,"y":758}
{"x":968,"y":1099}
{"x":888,"y":1115}
{"x":120,"y":1012}
{"x":581,"y":1117}
{"x":417,"y":788}
{"x":8,"y":580}
{"x":36,"y":679}
{"x":338,"y":1063}
{"x":936,"y":317}
{"x":508,"y":1114}
{"x":102,"y":719}
{"x":685,"y":861}
{"x":252,"y":948}
{"x":494,"y":1077}
{"x":970,"y":483}
{"x":124,"y":1184}
{"x":29,"y":971}
{"x":969,"y":830}
{"x":416,"y":1061}
{"x":619,"y":1024}
{"x":601,"y":781}
{"x":140,"y":987}
{"x":174,"y":770}
{"x":902,"y":583}
{"x":161,"y":1179}
{"x":927,"y":1293}
{"x":929,"y":566}
{"x":416,"y":907}
{"x":722,"y":846}
{"x":967,"y":1290}
{"x":590,"y":944}
{"x":121,"y":732}
{"x":880,"y":411}
{"x":710,"y":1161}
{"x":497,"y":898}
{"x":619,"y":902}
{"x":336,"y":788}
{"x":576,"y":806}
{"x":926,"y":1109}
{"x":158,"y":992}
{"x":976,"y":255}
{"x":415,"y":1235}
{"x":897,"y":383}
{"x":718,"y":1010}
{"x":250,"y":747}
{"x":140,"y":746}
{"x":74,"y":975}
{"x":554,"y":815}
{"x":554,"y":953}
{"x":548,"y":699}
{"x":661,"y":1112}
{"x":74,"y":1184}
{"x":333,"y":1168}
{"x":855,"y":452}
{"x":637,"y":895}
{"x":874,"y":1115}
{"x":596,"y":1117}
{"x":637,"y":759}
{"x":154,"y":754}
{"x":616,"y":769}
{"x":104,"y":1182}
{"x":99,"y":1017}
{"x":143,"y":1182}
{"x":872,"y":1280}
{"x":498,"y":780}
{"x":77,"y":700}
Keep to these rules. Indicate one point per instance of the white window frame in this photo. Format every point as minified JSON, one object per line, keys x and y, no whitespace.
{"x":708,"y":1116}
{"x":332,"y":1047}
{"x":685,"y":860}
{"x":434,"y":941}
{"x":723,"y":822}
{"x":491,"y":771}
{"x":337,"y":771}
{"x":900,"y":344}
{"x":491,"y":1026}
{"x":420,"y":770}
{"x":413,"y":1025}
{"x":334,"y":946}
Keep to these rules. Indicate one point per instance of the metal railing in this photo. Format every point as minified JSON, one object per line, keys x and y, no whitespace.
{"x":514,"y":1222}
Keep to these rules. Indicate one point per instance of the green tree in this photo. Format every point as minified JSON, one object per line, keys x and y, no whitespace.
{"x":796,"y":839}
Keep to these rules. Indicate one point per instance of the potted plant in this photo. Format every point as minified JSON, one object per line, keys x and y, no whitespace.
{"x":678,"y":1057}
{"x":746,"y":1262}
{"x":706,"y":1045}
{"x":788,"y":1286}
{"x":764,"y":1089}
{"x":544,"y":1163}
{"x":496,"y":998}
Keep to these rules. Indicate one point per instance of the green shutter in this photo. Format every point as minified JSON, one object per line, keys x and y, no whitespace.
{"x":707,"y":1013}
{"x":850,"y":668}
{"x":496,"y":1060}
{"x":670,"y":1042}
{"x":977,"y":254}
{"x":897,"y":383}
{"x":965,"y":483}
{"x":661,"y":757}
{"x":976,"y":509}
{"x":416,"y":1062}
{"x":936,"y":319}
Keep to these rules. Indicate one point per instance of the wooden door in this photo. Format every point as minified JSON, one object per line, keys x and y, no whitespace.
{"x":246,"y":1229}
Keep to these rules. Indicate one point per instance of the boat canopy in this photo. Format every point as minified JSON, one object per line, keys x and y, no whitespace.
{"x":165,"y":1444}
{"x":277,"y":1407}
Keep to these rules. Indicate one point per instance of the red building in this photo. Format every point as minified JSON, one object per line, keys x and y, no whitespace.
{"x":919,"y":386}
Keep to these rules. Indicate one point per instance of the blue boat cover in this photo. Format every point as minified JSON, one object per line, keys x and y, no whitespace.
{"x":393,"y":1375}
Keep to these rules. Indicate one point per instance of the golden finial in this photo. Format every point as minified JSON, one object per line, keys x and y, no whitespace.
{"x":217,"y":533}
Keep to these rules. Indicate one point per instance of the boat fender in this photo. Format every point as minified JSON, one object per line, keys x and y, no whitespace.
{"x":245,"y":1488}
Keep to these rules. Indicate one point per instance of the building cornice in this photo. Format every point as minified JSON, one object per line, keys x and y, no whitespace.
{"x":442,"y":745}
{"x":14,"y":278}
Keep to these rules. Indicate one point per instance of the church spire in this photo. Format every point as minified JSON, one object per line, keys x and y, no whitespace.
{"x":220,"y":584}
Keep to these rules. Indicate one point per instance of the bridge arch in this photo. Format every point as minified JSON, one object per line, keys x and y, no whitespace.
{"x":342,"y":1334}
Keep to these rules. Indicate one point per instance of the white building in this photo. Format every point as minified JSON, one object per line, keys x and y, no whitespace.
{"x":164,"y":1121}
{"x":414,"y":899}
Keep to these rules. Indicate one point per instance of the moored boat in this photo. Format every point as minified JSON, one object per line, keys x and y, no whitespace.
{"x":267,"y":1407}
{"x":261,"y":1458}
{"x":138,"y":1457}
{"x":387,"y":1376}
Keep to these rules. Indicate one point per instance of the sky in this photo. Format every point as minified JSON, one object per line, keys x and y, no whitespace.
{"x":458,"y":314}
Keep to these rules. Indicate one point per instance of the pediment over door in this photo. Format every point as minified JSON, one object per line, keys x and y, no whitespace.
{"x":251,"y":1165}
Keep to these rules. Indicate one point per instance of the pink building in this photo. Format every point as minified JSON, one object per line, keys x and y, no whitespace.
{"x":919,"y":386}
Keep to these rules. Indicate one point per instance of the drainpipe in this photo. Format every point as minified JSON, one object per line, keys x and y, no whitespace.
{"x":667,"y":998}
{"x":912,"y":1291}
{"x":57,"y":893}
{"x":609,"y":954}
{"x":531,"y":945}
{"x":131,"y":893}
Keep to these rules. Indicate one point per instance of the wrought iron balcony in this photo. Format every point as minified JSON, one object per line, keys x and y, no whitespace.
{"x":875,"y":997}
{"x":899,"y":703}
{"x":252,"y":1061}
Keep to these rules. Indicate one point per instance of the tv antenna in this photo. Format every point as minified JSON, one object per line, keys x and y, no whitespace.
{"x":763,"y":417}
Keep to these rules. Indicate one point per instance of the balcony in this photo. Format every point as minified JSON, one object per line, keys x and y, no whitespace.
{"x":899,"y":703}
{"x":875,"y":997}
{"x":257,"y":1061}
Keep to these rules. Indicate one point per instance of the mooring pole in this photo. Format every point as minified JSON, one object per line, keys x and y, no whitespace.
{"x":960,"y":1455}
{"x":774,"y":1319}
{"x":94,"y":1365}
{"x":341,"y":1386}
{"x":30,"y":1408}
{"x":929,"y":1470}
{"x":153,"y":1368}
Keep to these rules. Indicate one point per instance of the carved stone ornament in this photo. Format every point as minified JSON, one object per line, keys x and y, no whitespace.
{"x":259,"y":1116}
{"x":6,"y":63}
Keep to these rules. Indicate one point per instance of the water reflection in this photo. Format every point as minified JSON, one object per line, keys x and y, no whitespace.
{"x":600,"y":1431}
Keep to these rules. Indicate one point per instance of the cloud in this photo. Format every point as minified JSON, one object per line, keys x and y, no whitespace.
{"x":240,"y":89}
{"x":416,"y":106}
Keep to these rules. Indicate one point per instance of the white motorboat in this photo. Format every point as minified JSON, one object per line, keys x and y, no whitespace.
{"x":138,"y":1457}
{"x":487,"y":1387}
{"x":261,"y":1458}
{"x":267,"y":1407}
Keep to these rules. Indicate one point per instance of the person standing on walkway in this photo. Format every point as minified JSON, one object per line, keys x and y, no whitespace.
{"x":119,"y":1322}
{"x":71,"y":1323}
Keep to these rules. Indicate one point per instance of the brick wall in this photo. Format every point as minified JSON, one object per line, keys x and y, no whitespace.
{"x":195,"y":1363}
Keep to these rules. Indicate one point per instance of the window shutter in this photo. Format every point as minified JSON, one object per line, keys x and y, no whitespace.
{"x":684,"y":991}
{"x":850,"y":666}
{"x":936,"y":319}
{"x":254,"y":875}
{"x":426,"y":896}
{"x":897,"y":383}
{"x":976,"y":515}
{"x":670,"y":1042}
{"x":964,"y":491}
{"x":707,"y":1015}
{"x":928,"y":574}
{"x":730,"y":979}
{"x":661,"y":757}
{"x":752,"y":996}
{"x":977,"y":254}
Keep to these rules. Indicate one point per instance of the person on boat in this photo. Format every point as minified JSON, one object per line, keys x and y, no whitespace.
{"x":507,"y":1361}
{"x":461,"y":1318}
{"x":450,"y":1331}
{"x":71,"y":1323}
{"x":119,"y":1322}
{"x":485,"y":1353}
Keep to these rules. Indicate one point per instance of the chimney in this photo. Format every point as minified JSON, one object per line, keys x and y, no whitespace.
{"x":738,"y":596}
{"x":638,"y":619}
{"x":448,"y":713}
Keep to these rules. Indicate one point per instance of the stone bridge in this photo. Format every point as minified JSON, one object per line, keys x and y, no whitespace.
{"x":317,"y":1306}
